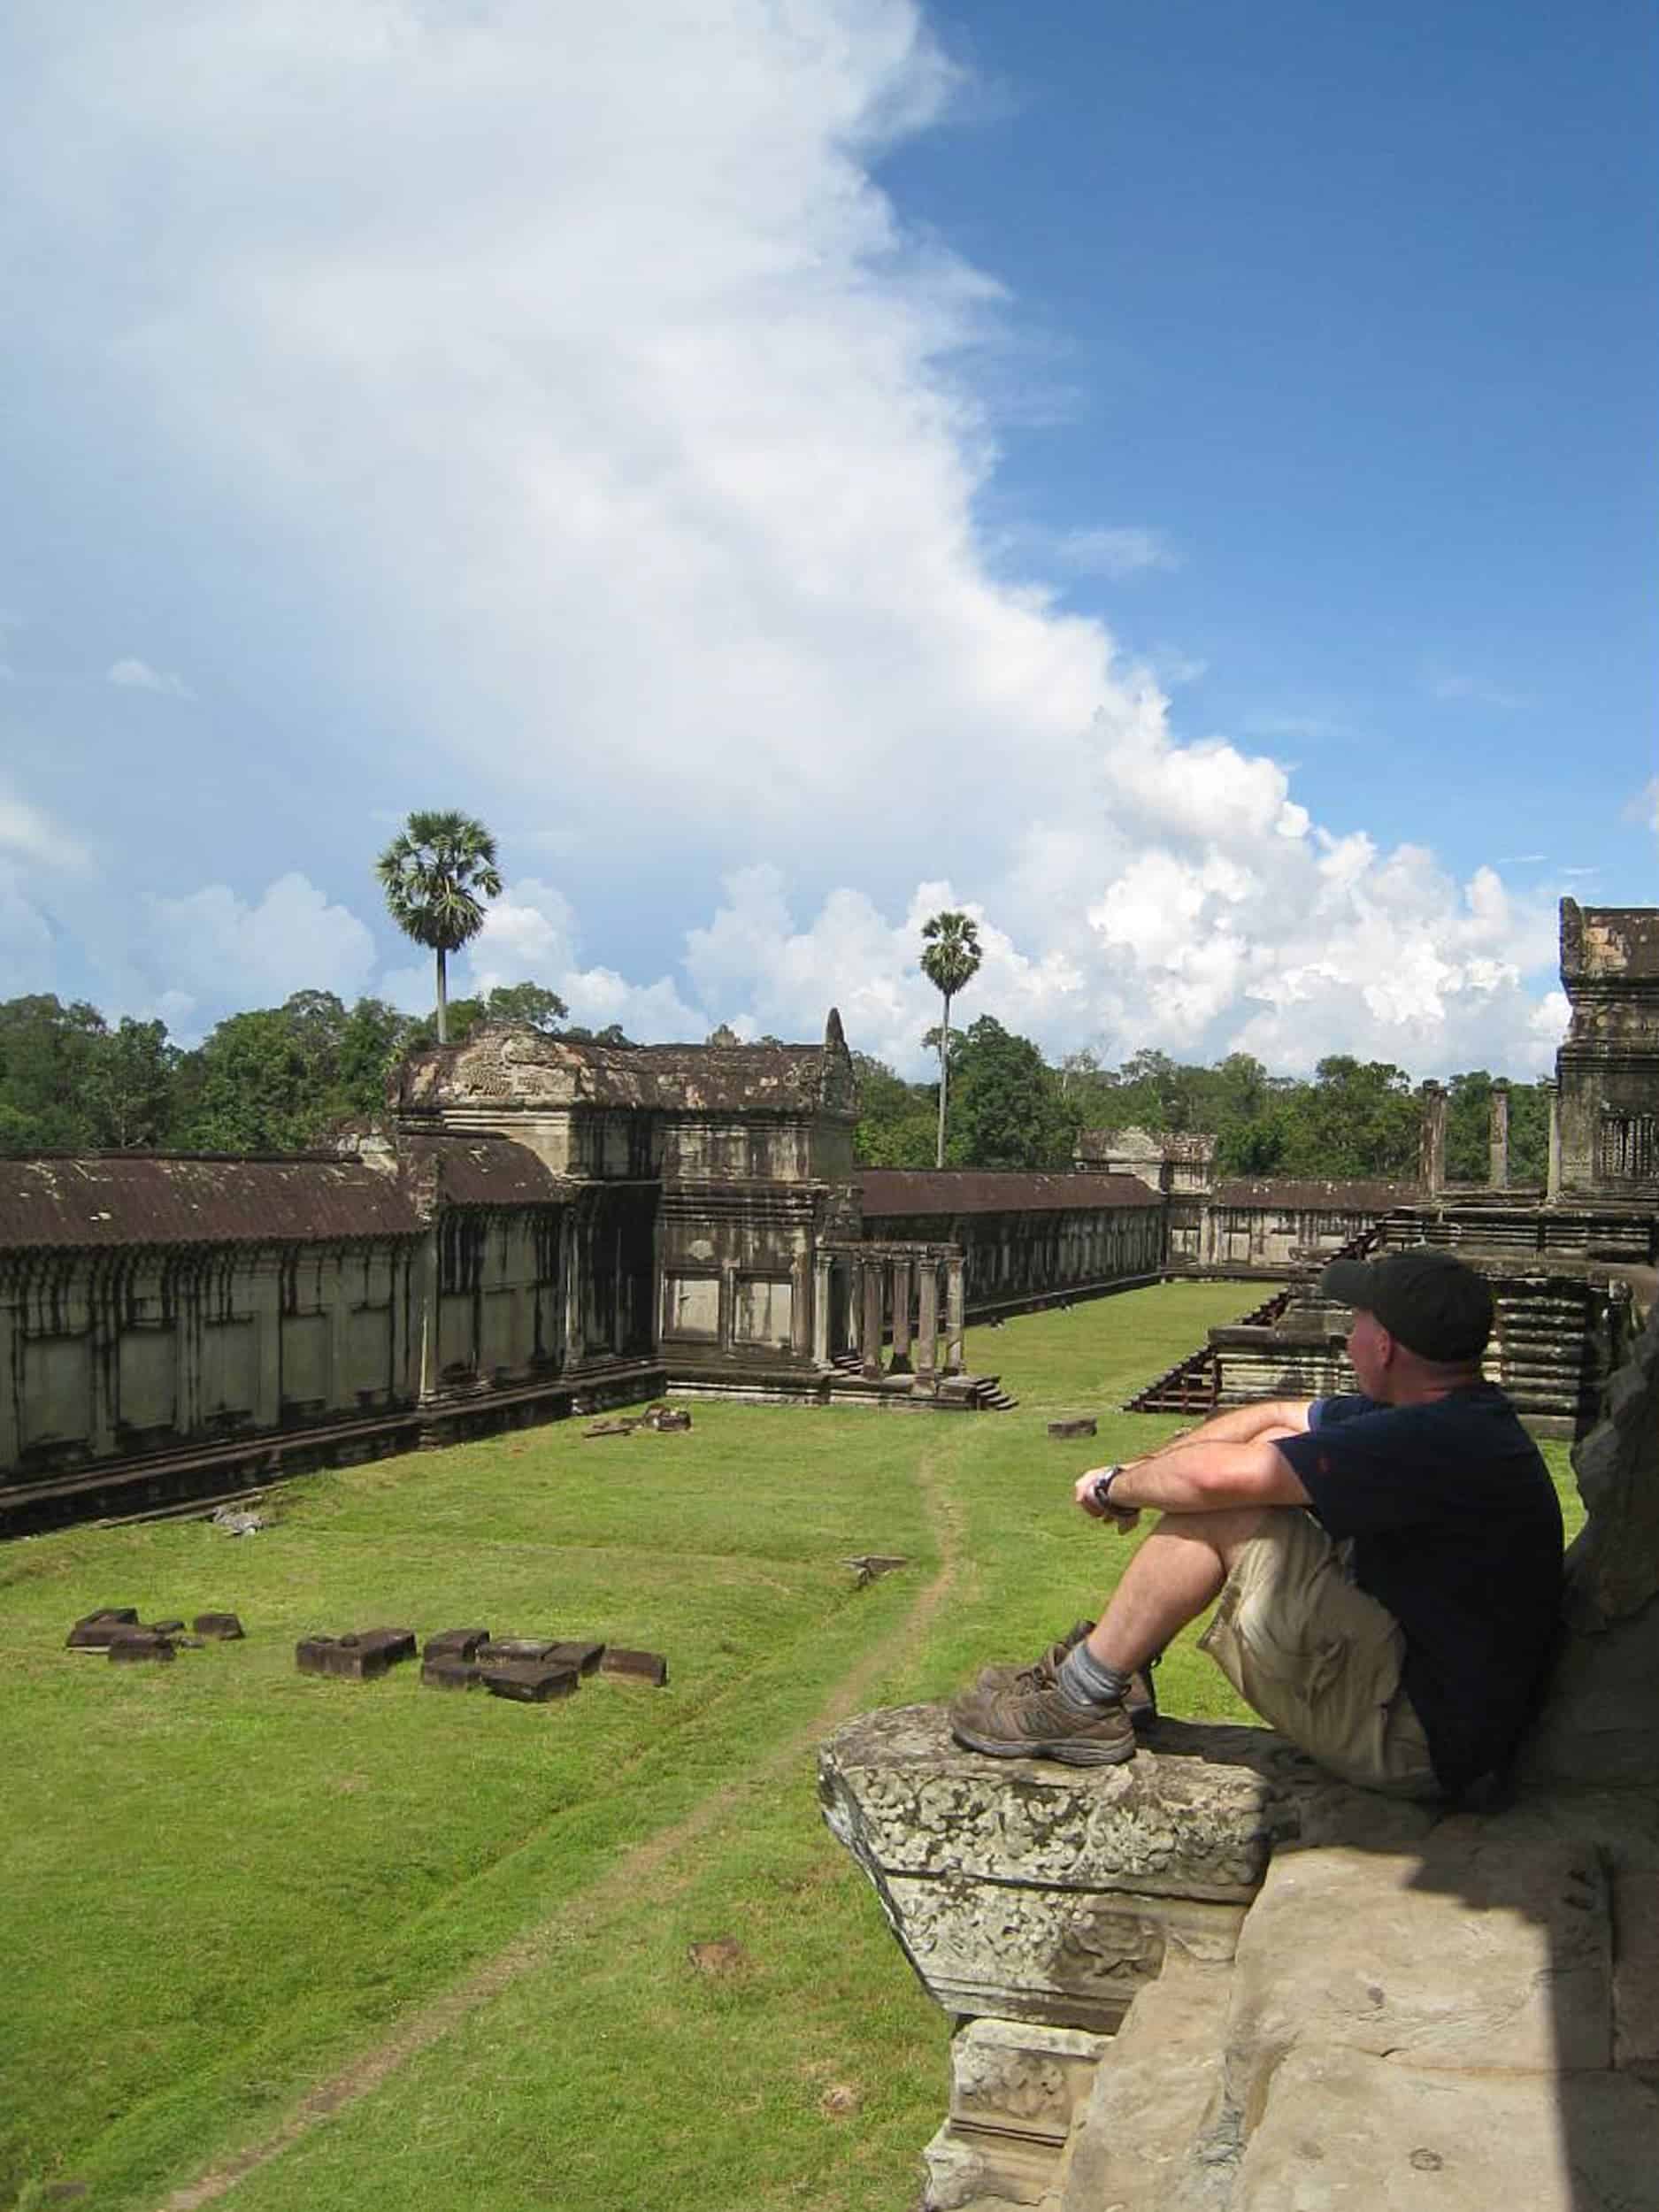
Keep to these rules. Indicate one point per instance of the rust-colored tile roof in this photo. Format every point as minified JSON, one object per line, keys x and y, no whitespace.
{"x":1290,"y":1194}
{"x":93,"y":1199}
{"x":484,"y":1170}
{"x":905,"y":1192}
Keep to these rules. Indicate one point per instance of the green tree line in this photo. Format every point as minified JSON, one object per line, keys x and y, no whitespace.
{"x":279,"y":1078}
{"x":274,"y":1079}
{"x":1010,"y":1109}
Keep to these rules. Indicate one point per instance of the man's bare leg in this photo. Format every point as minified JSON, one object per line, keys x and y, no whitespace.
{"x":1177,"y":1572}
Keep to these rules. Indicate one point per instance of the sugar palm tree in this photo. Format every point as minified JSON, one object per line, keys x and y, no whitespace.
{"x":437,"y":874}
{"x":950,"y":960}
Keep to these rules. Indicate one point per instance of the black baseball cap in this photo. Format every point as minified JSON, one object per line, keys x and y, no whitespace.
{"x":1426,"y":1298}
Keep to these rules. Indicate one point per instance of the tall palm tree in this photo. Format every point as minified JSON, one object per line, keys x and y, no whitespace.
{"x":950,"y":960}
{"x":436,"y":873}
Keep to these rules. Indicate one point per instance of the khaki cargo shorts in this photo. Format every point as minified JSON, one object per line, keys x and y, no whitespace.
{"x":1319,"y":1659}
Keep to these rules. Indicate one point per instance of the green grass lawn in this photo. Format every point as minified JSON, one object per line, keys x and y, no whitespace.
{"x":228,"y":1883}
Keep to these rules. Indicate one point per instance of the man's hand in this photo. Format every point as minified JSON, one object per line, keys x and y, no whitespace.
{"x":1122,"y":1517}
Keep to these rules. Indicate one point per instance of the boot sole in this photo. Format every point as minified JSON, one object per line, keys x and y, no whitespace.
{"x":1070,"y":1751}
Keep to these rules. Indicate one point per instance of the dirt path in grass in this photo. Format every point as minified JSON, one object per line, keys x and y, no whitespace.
{"x":435,"y":2019}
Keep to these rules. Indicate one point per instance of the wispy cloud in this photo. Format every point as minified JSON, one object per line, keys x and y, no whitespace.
{"x":136,"y":675}
{"x":1643,"y":806}
{"x":29,"y":833}
{"x":1519,"y":860}
{"x":1476,"y":691}
{"x":1118,"y":553}
{"x":1294,"y":726}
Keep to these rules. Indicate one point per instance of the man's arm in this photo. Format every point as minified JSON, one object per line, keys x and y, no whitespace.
{"x":1202,"y":1473}
{"x":1242,"y":1424}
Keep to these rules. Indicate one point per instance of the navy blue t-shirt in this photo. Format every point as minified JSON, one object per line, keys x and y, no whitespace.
{"x":1456,"y":1530}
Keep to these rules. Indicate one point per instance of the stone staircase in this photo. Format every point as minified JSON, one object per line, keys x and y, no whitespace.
{"x":1190,"y":1385}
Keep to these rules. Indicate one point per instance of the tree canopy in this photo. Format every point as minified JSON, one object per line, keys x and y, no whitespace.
{"x":437,"y":874}
{"x":950,"y":960}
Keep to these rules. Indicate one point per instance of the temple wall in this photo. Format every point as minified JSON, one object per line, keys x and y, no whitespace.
{"x":1020,"y":1252}
{"x":737,"y":1275}
{"x":107,"y":1355}
{"x":1274,"y":1238}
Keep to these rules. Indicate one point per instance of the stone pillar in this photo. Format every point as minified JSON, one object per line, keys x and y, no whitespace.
{"x":803,"y":1307}
{"x":426,"y":1307}
{"x":10,"y":1387}
{"x":823,"y":1269}
{"x":1552,"y":1192}
{"x":954,"y":1316}
{"x":569,"y":1262}
{"x":901,"y":1280}
{"x":1432,"y":1140}
{"x":874,"y":1271}
{"x":1498,"y":1137}
{"x":927,"y":1333}
{"x":1016,"y":2088}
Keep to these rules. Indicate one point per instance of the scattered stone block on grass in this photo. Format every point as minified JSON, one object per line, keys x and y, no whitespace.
{"x":635,"y":1666}
{"x":530,"y":1681}
{"x":870,"y":1566}
{"x":360,"y":1658}
{"x":455,"y":1643}
{"x":506,"y":1651}
{"x":450,"y":1671}
{"x":574,"y":1652}
{"x":168,"y":1628}
{"x":95,"y":1631}
{"x":134,"y":1645}
{"x":222,"y":1628}
{"x":666,"y":1419}
{"x":1084,"y":1425}
{"x":612,"y":1428}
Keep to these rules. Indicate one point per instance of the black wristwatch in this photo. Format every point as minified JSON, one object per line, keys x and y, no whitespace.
{"x":1101,"y":1494}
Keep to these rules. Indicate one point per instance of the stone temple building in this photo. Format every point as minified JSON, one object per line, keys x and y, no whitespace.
{"x":542,"y":1226}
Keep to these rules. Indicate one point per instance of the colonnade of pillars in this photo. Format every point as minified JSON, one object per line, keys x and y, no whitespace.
{"x":887,"y":1282}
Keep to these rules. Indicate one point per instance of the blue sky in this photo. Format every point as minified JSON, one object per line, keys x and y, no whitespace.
{"x":1180,"y":481}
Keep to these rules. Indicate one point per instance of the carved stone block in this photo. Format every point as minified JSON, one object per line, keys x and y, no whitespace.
{"x":585,"y":1658}
{"x":448,"y":1672}
{"x":134,"y":1645}
{"x":1034,"y":1952}
{"x":1196,"y":1821}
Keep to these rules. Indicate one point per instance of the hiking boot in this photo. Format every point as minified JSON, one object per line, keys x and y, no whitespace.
{"x":1140,"y":1699}
{"x":1043,"y":1723}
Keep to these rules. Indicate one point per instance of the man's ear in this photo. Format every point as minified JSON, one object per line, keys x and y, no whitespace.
{"x":1387,"y":1347}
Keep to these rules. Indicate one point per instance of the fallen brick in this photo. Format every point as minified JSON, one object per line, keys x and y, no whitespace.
{"x":134,"y":1644}
{"x":528,"y":1682}
{"x":1085,"y":1424}
{"x":584,"y":1657}
{"x":96,"y":1635}
{"x":455,"y":1643}
{"x":635,"y":1666}
{"x":360,"y":1658}
{"x":224,"y":1628}
{"x":450,"y":1671}
{"x":502,"y":1651}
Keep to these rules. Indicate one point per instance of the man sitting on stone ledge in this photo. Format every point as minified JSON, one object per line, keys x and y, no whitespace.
{"x":1388,"y":1565}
